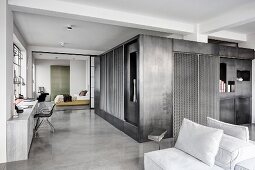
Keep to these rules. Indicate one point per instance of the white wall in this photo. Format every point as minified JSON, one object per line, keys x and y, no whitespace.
{"x":78,"y":76}
{"x":42,"y":73}
{"x":6,"y":73}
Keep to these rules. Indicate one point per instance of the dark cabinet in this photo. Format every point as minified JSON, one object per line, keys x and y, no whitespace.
{"x":235,"y":104}
{"x":243,"y":110}
{"x":227,"y":110}
{"x":236,"y":110}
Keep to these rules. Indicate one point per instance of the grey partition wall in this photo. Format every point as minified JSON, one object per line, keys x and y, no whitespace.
{"x":209,"y":75}
{"x":156,"y":80}
{"x":111,"y":83}
{"x":172,"y":79}
{"x":196,"y":88}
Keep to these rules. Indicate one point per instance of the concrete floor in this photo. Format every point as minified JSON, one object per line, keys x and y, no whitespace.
{"x":83,"y":141}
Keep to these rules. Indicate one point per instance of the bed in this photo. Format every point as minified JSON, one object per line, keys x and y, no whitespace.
{"x":76,"y":100}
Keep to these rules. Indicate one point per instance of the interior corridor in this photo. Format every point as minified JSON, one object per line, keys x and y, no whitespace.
{"x":83,"y":140}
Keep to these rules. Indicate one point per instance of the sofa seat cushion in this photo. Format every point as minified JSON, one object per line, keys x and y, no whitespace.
{"x":246,"y":165}
{"x":174,"y":159}
{"x":232,"y":151}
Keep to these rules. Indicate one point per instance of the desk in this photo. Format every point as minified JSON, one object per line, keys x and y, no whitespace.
{"x":20,"y":133}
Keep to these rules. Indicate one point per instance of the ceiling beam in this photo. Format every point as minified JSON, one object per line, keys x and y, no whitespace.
{"x":228,"y":36}
{"x":63,"y":50}
{"x":101,"y":15}
{"x":236,"y":17}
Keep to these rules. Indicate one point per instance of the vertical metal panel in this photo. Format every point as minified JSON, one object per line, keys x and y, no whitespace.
{"x":109,"y":82}
{"x":103,"y":82}
{"x":208,"y":87}
{"x":185,"y":89}
{"x":97,"y":83}
{"x":118,"y":83}
{"x":156,"y":77}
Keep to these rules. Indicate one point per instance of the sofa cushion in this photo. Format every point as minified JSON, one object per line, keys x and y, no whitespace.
{"x":232,"y":151}
{"x":174,"y":159}
{"x":246,"y":165}
{"x":237,"y":131}
{"x":199,"y":141}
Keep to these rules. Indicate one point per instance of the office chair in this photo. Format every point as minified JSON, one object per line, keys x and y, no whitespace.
{"x":43,"y":115}
{"x":42,"y":97}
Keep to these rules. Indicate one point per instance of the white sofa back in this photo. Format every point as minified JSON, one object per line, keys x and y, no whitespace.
{"x":240,"y":132}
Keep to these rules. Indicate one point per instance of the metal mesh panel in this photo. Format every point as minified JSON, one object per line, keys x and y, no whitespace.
{"x":103,"y":82}
{"x":208,"y":87}
{"x":196,"y":91}
{"x":185,"y":89}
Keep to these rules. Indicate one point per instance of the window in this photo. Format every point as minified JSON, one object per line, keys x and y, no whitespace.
{"x":18,"y":81}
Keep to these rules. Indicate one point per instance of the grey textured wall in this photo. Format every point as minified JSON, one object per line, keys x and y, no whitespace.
{"x":209,"y":75}
{"x":112,"y":83}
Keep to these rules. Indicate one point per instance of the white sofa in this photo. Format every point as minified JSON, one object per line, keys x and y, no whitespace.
{"x":234,"y":152}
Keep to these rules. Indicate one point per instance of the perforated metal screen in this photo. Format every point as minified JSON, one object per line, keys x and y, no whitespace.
{"x":196,"y":80}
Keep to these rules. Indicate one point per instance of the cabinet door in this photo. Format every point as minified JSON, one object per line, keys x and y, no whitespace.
{"x":227,"y":110}
{"x":243,"y":111}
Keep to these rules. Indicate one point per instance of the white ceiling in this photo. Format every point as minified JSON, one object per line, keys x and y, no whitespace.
{"x":41,"y":30}
{"x":192,"y":11}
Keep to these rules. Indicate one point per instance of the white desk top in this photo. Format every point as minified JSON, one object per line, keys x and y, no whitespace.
{"x":26,"y":113}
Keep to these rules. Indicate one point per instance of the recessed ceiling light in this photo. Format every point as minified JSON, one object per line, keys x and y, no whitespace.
{"x":62,"y":44}
{"x":69,"y":27}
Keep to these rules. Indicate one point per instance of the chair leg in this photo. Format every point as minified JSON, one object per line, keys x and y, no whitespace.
{"x":52,"y":127}
{"x":38,"y":125}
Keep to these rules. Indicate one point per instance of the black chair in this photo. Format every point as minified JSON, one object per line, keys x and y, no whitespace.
{"x":42,"y":97}
{"x":43,"y":115}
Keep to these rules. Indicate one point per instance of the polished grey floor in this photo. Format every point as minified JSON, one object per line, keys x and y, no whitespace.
{"x":82,"y":141}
